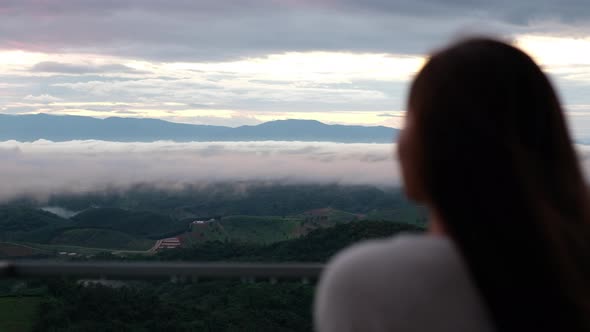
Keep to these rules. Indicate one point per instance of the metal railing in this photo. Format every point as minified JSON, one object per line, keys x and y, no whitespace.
{"x":158,"y":270}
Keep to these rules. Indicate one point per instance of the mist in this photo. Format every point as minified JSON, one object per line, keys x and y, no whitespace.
{"x":42,"y":168}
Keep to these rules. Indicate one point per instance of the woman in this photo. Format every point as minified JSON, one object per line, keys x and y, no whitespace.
{"x":485,"y":147}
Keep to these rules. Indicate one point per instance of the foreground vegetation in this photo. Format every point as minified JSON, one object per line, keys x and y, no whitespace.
{"x":19,"y":313}
{"x":208,"y":305}
{"x":245,"y":222}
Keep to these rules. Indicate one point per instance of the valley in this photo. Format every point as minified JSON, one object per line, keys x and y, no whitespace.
{"x":224,"y":222}
{"x":140,"y":222}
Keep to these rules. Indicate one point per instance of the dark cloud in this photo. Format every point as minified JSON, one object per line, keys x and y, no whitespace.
{"x":516,"y":11}
{"x":214,"y":30}
{"x":65,"y":68}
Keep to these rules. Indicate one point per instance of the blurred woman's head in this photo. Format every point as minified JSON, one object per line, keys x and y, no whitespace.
{"x":486,"y":147}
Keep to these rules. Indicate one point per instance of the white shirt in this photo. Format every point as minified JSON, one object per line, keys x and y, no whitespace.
{"x":403,"y":284}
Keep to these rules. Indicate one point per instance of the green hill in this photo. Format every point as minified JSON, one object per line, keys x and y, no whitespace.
{"x":247,"y":229}
{"x":101,"y":238}
{"x":321,"y":244}
{"x":27,"y":224}
{"x":25,"y":219}
{"x":210,"y":304}
{"x":239,"y":198}
{"x":410,"y":214}
{"x":136,"y":223}
{"x":317,"y":246}
{"x":94,"y":228}
{"x":267,"y":229}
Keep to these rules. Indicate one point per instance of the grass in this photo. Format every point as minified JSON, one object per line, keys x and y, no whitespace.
{"x":252,"y":229}
{"x":54,"y":249}
{"x":17,"y":314}
{"x":341,"y":216}
{"x":266,"y":229}
{"x":260,"y":229}
{"x":101,"y":238}
{"x":407,"y":214}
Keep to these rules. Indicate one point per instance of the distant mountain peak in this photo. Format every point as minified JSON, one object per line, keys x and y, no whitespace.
{"x":294,"y":121}
{"x":291,"y":122}
{"x":72,"y":127}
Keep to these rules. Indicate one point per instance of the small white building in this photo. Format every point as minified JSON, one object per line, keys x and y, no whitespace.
{"x":202,"y":222}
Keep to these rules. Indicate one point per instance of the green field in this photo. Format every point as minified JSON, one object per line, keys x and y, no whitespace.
{"x":132,"y":222}
{"x":17,"y":314}
{"x":140,"y":224}
{"x":407,"y":214}
{"x":267,"y":229}
{"x":101,"y":238}
{"x":54,"y":249}
{"x":251,"y":229}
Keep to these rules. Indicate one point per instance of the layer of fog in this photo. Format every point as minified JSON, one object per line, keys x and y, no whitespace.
{"x":62,"y":212}
{"x":41,"y":168}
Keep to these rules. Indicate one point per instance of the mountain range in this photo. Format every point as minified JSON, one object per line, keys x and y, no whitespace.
{"x":57,"y":128}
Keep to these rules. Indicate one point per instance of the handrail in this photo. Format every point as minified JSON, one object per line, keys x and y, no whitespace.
{"x":156,"y":270}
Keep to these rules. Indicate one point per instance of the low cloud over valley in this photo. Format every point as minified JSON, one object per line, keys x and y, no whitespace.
{"x":42,"y":167}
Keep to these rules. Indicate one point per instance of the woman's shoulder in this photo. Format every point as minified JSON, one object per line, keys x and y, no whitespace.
{"x":408,"y":251}
{"x":406,"y":283}
{"x":407,"y":264}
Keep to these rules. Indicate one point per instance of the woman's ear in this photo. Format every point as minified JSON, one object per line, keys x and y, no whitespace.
{"x":435,"y":225}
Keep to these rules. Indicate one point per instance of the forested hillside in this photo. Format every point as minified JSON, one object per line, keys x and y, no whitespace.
{"x":208,"y":305}
{"x":134,"y":219}
{"x":247,"y":198}
{"x":317,"y":246}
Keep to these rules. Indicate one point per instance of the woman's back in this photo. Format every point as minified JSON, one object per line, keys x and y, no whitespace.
{"x":408,"y":283}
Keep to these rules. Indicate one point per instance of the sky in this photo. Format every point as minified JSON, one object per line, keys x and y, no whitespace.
{"x":244,"y":62}
{"x":239,"y":62}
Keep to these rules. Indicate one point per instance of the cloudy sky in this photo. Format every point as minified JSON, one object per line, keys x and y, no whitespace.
{"x":238,"y":62}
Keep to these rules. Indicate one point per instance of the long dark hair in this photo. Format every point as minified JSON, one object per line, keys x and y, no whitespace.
{"x":498,"y":166}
